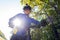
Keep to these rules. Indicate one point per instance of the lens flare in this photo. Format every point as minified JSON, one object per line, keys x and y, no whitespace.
{"x":18,"y":22}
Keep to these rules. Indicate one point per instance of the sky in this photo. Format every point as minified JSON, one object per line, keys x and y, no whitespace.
{"x":8,"y":8}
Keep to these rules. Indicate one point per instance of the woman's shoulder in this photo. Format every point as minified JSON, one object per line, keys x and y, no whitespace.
{"x":20,"y":14}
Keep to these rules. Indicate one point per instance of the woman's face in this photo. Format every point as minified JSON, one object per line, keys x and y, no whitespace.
{"x":27,"y":11}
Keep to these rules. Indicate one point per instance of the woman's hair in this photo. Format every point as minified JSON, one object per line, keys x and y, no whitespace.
{"x":27,"y":7}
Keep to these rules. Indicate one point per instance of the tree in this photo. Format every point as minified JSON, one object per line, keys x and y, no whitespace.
{"x":43,"y":9}
{"x":2,"y":36}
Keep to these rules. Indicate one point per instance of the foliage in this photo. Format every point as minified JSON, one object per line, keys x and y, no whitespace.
{"x":2,"y":36}
{"x":42,"y":9}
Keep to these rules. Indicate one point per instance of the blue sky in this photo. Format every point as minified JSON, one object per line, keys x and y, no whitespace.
{"x":8,"y":8}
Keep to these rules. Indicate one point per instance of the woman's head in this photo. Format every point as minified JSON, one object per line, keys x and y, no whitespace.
{"x":27,"y":9}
